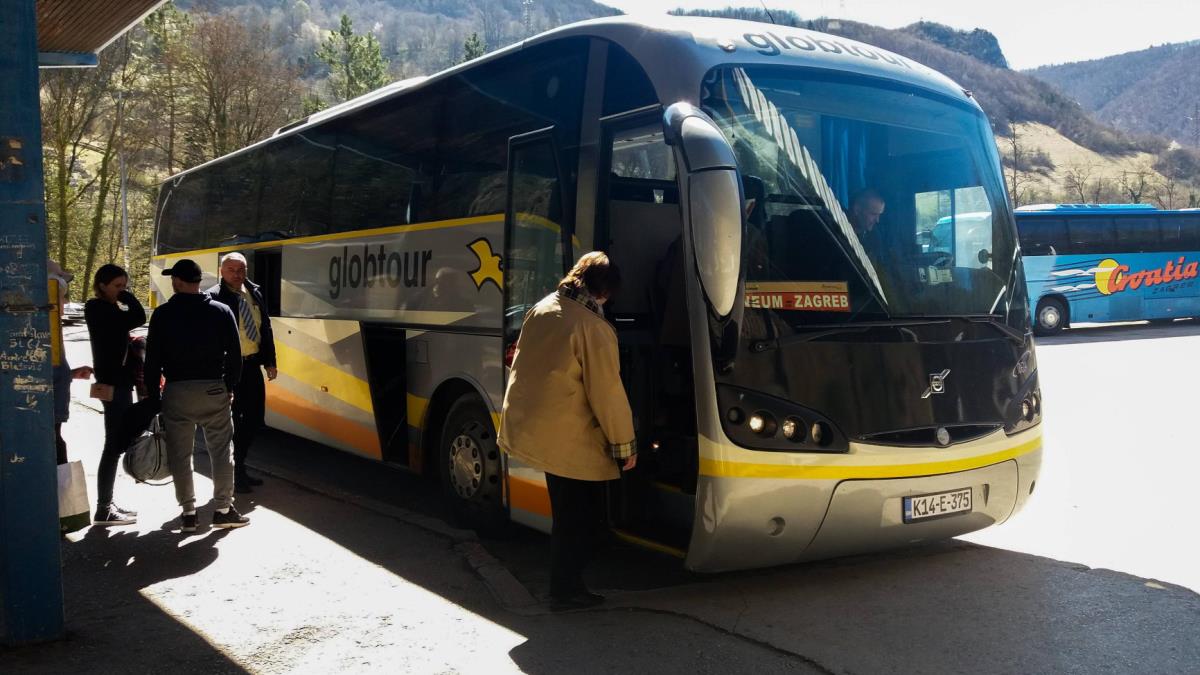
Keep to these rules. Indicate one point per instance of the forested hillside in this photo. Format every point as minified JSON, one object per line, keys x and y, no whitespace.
{"x":1153,"y":91}
{"x":202,"y":78}
{"x":416,"y":36}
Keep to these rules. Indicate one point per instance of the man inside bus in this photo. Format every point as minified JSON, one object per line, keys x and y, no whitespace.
{"x":866,"y":207}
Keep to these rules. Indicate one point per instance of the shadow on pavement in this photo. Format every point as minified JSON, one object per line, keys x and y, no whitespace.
{"x":1140,"y":330}
{"x":946,"y":607}
{"x":112,"y":626}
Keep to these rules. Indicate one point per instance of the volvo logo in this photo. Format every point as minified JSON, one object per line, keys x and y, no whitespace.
{"x":937,"y":383}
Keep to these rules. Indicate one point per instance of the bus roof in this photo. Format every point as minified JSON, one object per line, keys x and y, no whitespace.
{"x":676,"y":53}
{"x":1081,"y":209}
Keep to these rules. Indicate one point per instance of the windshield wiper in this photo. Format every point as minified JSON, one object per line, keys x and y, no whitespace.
{"x":994,"y":320}
{"x":821,"y":331}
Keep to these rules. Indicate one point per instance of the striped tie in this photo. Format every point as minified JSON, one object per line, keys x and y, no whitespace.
{"x":247,"y":319}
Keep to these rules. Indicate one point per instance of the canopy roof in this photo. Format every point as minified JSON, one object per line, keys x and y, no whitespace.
{"x":72,"y":32}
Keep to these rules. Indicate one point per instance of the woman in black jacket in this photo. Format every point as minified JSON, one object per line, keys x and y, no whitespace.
{"x":110,"y":316}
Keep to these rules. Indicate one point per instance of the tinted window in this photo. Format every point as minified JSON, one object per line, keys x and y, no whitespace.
{"x":1043,"y":236}
{"x":1137,"y":234}
{"x":482,"y":108}
{"x":232,"y":212}
{"x":297,"y":180}
{"x":384,"y":164}
{"x":1180,"y":233}
{"x":181,"y":213}
{"x":1091,"y":235}
{"x":626,"y":86}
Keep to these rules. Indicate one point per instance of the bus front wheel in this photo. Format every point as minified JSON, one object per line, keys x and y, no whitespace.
{"x":1051,"y":316}
{"x":470,"y":467}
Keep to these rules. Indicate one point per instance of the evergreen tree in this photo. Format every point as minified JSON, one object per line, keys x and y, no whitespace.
{"x":356,"y":62}
{"x":473,"y":47}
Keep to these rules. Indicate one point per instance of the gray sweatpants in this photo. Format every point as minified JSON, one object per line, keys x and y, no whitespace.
{"x":186,"y":405}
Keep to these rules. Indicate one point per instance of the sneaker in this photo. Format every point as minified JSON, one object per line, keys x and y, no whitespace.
{"x":230,"y":518}
{"x":189,"y":522}
{"x":111,"y":515}
{"x":125,"y":512}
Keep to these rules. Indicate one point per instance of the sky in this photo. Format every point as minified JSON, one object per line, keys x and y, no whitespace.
{"x":1031,"y":32}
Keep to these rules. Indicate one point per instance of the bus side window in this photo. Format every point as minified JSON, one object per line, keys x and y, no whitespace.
{"x":1091,"y":235}
{"x":1138,"y":234}
{"x":1180,"y":233}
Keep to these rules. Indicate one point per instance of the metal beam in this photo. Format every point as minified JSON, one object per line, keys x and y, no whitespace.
{"x":31,"y":597}
{"x":67,"y":60}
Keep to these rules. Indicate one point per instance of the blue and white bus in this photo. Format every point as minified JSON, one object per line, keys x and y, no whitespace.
{"x":1109,"y":262}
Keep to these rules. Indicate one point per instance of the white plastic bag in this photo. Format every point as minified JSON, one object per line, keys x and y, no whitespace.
{"x":73,"y":513}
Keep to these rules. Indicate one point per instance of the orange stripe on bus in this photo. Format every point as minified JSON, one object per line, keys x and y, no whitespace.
{"x":356,"y":435}
{"x":528,"y":496}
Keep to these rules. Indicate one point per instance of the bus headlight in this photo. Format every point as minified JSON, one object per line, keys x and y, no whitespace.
{"x":762,"y":423}
{"x":1025,"y":411}
{"x":793,"y":429}
{"x":758,"y":421}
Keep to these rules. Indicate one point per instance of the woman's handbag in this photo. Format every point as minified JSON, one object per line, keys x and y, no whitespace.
{"x":73,"y":505}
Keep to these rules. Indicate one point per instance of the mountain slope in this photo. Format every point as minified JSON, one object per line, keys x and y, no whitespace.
{"x":1007,"y":96}
{"x":1153,"y":91}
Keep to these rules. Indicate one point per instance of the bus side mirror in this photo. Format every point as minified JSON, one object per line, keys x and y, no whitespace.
{"x":714,"y":202}
{"x":984,"y":256}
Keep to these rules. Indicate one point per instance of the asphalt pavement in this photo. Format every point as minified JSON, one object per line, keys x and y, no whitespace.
{"x":352,"y":566}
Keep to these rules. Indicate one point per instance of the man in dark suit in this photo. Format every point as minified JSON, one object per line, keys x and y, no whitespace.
{"x":245,"y":299}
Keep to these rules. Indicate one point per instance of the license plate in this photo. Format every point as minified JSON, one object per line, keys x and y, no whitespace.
{"x":937,"y":505}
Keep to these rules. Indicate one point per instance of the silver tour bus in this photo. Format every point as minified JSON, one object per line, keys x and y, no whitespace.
{"x":806,"y":383}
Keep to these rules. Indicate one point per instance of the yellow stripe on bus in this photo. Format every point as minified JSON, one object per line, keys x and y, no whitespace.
{"x":324,"y":377}
{"x":723,"y":469}
{"x":649,"y":544}
{"x":353,"y":234}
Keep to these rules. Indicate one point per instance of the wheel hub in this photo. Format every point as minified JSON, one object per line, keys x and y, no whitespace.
{"x":1050,"y":317}
{"x":466,"y":465}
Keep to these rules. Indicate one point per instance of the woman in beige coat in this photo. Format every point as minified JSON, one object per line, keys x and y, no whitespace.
{"x":565,"y":413}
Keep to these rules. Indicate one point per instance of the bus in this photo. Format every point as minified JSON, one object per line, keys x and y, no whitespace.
{"x":1109,"y":262}
{"x":801,"y":391}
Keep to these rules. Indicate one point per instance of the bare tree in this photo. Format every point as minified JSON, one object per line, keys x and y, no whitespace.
{"x":491,"y":20}
{"x":126,"y":74}
{"x":241,"y":88}
{"x":71,"y":105}
{"x":1076,"y":181}
{"x":1134,"y":183}
{"x":1163,"y":193}
{"x":1015,"y":159}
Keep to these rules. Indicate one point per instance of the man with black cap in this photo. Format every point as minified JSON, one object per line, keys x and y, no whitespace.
{"x":193,"y":342}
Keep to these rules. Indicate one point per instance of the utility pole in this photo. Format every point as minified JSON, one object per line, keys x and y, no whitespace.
{"x":31,"y":597}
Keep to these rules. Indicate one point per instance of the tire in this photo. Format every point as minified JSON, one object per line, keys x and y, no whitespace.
{"x":470,"y":467}
{"x":1050,"y":318}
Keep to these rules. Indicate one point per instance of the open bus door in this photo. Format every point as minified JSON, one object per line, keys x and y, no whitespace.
{"x":659,"y":502}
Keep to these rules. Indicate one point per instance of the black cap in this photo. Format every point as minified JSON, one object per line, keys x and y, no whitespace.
{"x":185,"y":270}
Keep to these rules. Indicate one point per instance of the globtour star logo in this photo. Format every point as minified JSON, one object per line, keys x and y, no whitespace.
{"x":1113,"y":277}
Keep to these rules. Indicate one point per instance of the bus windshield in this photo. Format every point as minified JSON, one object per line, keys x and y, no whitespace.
{"x":864,"y":201}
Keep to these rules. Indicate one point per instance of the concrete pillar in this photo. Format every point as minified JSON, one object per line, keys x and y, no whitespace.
{"x":31,"y":599}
